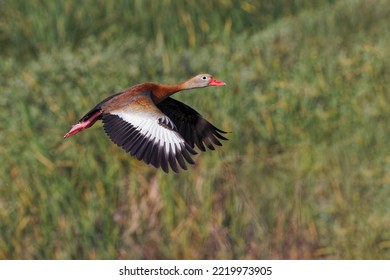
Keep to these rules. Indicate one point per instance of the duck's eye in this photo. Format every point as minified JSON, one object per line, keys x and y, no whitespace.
{"x":204,"y":78}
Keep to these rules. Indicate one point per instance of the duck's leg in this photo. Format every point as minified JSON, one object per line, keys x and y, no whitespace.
{"x":83,"y":124}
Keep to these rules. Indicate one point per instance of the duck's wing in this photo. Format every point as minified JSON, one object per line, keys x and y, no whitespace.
{"x":142,"y":130}
{"x":195,"y":129}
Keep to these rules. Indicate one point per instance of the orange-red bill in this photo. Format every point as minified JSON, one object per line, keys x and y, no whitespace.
{"x":214,"y":82}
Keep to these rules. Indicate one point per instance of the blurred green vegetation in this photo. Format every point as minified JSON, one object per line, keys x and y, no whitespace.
{"x":305,"y":174}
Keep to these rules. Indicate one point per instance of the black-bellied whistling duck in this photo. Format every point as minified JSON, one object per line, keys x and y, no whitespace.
{"x":153,"y":127}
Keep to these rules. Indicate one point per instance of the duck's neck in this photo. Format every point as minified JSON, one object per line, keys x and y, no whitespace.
{"x":162,"y":92}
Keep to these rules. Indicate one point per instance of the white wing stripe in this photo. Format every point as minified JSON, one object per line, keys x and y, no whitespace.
{"x":150,"y":128}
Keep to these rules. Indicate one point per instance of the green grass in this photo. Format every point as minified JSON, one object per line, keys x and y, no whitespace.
{"x":304,"y":175}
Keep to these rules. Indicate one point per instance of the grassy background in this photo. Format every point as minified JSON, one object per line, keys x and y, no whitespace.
{"x":305,"y":174}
